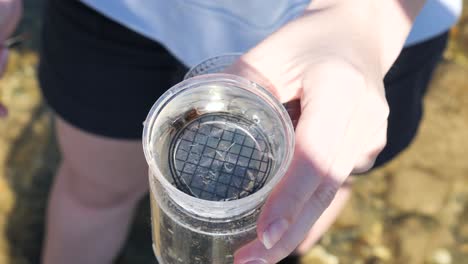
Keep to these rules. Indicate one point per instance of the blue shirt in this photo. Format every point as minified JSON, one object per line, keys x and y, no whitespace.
{"x":193,"y":30}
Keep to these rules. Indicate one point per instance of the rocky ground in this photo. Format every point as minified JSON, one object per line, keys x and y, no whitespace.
{"x":415,"y":210}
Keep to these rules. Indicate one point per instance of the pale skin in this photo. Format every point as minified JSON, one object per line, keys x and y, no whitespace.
{"x":332,"y":59}
{"x":337,"y":74}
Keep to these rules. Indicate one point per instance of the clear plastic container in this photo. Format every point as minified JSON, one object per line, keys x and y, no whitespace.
{"x":216,"y":145}
{"x":213,"y":65}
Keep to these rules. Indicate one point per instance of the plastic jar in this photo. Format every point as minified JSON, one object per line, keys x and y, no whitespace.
{"x":203,"y":212}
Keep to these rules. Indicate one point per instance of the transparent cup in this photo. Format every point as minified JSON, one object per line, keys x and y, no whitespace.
{"x":213,"y":65}
{"x":216,"y":145}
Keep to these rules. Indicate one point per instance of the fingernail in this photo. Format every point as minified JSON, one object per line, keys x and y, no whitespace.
{"x":256,"y":261}
{"x":274,"y":232}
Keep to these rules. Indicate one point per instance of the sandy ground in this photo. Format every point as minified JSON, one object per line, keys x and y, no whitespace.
{"x":415,"y":210}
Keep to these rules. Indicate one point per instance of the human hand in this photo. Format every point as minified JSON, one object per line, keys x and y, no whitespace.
{"x":10,"y":13}
{"x":335,"y":69}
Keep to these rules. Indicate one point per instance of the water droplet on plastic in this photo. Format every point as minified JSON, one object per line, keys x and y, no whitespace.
{"x":256,"y":119}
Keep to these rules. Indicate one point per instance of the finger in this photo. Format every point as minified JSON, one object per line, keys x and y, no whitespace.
{"x":326,"y":219}
{"x":309,"y":215}
{"x":342,"y":164}
{"x":247,"y":69}
{"x":253,"y":251}
{"x":288,"y":96}
{"x":322,"y":139}
{"x":370,"y":152}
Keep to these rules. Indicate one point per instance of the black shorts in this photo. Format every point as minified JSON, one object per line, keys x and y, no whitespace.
{"x":103,"y":78}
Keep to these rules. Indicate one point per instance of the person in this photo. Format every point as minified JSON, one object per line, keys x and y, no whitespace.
{"x":355,"y":71}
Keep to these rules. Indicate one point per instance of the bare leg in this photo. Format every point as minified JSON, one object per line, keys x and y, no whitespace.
{"x":96,"y":190}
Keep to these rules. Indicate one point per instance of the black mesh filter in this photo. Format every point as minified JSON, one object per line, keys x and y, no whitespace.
{"x":219,"y":156}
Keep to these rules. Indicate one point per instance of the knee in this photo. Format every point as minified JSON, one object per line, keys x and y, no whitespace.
{"x":86,"y":190}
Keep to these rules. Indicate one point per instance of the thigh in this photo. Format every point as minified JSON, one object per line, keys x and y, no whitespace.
{"x":101,"y":171}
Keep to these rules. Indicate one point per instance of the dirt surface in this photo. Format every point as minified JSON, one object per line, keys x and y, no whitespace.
{"x":414,"y":210}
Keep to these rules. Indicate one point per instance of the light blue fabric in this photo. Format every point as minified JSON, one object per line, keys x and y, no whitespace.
{"x":194,"y":30}
{"x":436,"y":17}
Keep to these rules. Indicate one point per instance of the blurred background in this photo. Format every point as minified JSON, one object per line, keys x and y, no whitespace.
{"x":414,"y":210}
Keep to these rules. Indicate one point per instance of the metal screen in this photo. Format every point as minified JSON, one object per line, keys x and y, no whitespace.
{"x":219,"y":157}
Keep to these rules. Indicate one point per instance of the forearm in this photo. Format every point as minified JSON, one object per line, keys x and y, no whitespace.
{"x":385,"y":24}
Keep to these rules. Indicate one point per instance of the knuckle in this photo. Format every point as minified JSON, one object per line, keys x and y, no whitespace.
{"x":364,"y":166}
{"x":294,"y":203}
{"x":385,"y":108}
{"x":348,"y":70}
{"x":374,"y":149}
{"x":325,"y":194}
{"x":377,"y":107}
{"x":380,"y":146}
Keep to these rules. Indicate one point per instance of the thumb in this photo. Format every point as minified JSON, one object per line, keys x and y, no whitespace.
{"x":246,"y":68}
{"x":289,"y":97}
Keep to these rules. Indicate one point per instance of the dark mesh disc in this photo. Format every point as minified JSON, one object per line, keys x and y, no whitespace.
{"x":219,"y":156}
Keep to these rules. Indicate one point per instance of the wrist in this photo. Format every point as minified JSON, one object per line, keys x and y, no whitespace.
{"x":380,"y":26}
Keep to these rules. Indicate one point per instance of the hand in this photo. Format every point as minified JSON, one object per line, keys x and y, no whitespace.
{"x":10,"y":13}
{"x":335,"y":69}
